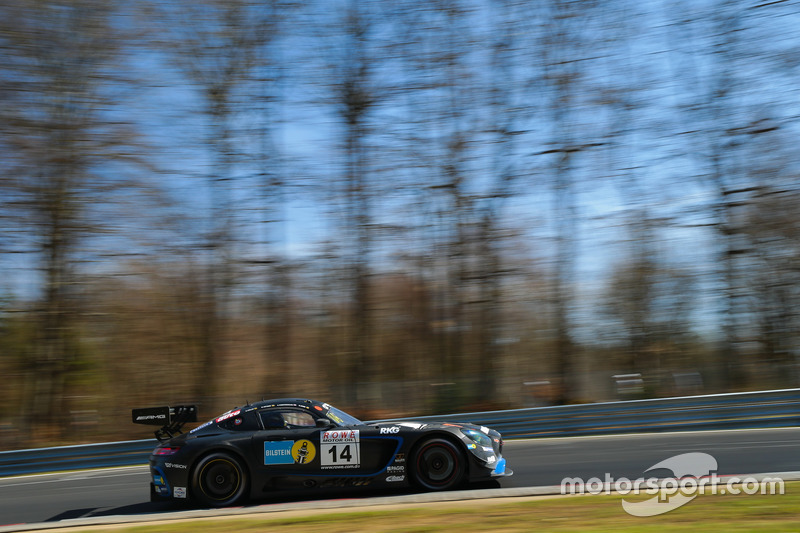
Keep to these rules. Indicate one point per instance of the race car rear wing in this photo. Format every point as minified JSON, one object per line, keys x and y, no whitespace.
{"x":171,"y":419}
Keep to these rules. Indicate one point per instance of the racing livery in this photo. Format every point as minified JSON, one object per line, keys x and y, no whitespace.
{"x":294,"y":444}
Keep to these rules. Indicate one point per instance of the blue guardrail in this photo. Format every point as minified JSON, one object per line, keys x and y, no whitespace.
{"x":764,"y":409}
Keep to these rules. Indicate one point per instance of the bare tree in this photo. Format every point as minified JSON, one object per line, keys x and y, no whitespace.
{"x":565,"y":66}
{"x":217,"y":45}
{"x":59,"y":141}
{"x":719,"y":130}
{"x":354,"y":93}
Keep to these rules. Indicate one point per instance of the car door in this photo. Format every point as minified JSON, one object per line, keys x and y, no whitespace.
{"x":288,"y":443}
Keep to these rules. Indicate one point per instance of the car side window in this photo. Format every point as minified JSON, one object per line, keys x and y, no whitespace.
{"x":298,"y":419}
{"x":286,"y":419}
{"x":272,"y":420}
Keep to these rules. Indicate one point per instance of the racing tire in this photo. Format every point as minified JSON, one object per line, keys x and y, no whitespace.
{"x":438,"y":464}
{"x":219,"y":480}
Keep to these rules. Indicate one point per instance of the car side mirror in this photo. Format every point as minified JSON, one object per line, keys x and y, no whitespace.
{"x":324,"y":423}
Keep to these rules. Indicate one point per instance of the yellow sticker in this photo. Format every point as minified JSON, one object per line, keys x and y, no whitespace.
{"x":303,"y":451}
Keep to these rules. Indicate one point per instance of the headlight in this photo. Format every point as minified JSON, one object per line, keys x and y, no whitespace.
{"x":477,"y":437}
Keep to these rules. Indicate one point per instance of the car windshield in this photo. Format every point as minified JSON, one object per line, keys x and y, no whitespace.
{"x":342,"y":418}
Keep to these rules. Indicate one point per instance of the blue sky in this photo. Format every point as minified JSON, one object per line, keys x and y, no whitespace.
{"x":657,"y":62}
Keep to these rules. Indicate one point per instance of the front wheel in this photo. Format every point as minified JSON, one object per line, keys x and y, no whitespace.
{"x":438,"y":465}
{"x":219,"y":480}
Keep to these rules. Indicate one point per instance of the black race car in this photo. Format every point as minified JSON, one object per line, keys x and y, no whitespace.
{"x":281,"y":445}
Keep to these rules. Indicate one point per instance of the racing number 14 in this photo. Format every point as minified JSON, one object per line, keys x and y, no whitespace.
{"x":345,"y":455}
{"x":340,"y":448}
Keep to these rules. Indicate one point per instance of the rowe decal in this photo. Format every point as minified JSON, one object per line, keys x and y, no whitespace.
{"x":339,"y":436}
{"x":340,"y":449}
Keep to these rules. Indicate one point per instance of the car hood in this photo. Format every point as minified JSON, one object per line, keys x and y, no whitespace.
{"x":428,"y":424}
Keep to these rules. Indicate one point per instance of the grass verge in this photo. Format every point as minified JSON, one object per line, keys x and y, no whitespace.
{"x":707,"y":512}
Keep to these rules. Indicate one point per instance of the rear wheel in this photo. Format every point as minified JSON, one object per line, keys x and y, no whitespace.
{"x":438,"y":465}
{"x":219,"y":480}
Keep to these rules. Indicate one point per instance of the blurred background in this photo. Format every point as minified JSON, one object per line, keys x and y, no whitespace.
{"x":398,"y":207}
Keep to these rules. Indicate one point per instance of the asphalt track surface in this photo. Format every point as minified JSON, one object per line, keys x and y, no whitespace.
{"x":124,"y":492}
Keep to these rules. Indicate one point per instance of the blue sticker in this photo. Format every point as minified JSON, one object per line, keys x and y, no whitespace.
{"x":278,"y":452}
{"x":500,"y":468}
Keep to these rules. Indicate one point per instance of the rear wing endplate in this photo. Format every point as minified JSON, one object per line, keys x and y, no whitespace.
{"x":171,"y":419}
